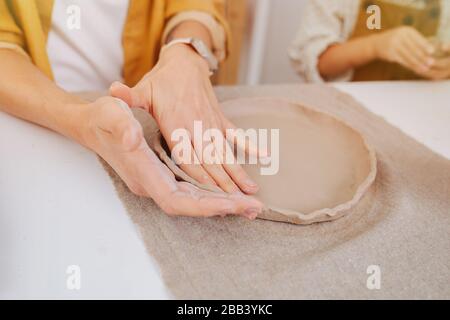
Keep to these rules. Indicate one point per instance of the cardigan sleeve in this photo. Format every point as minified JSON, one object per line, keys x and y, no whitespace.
{"x":323,"y":23}
{"x":214,"y":8}
{"x":215,"y":29}
{"x":9,"y":30}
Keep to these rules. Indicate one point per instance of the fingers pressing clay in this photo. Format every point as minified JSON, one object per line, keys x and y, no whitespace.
{"x":245,"y":183}
{"x":327,"y":165}
{"x":239,"y":140}
{"x":192,"y":167}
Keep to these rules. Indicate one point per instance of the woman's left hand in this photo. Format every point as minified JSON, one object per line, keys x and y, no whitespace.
{"x":177,"y":92}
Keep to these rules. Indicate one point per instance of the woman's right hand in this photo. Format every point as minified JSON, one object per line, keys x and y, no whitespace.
{"x":405,"y":46}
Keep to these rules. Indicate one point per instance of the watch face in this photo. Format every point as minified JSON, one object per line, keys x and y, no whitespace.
{"x":201,"y":48}
{"x":204,"y":51}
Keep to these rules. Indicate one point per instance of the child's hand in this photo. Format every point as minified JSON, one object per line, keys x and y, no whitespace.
{"x":405,"y":46}
{"x":440,"y":69}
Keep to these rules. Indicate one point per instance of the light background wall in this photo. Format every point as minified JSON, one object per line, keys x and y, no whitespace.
{"x":272,"y":25}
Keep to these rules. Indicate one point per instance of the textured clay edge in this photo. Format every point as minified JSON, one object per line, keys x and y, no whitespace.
{"x":273,"y":213}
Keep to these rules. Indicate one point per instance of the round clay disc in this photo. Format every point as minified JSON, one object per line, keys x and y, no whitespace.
{"x":325,"y":166}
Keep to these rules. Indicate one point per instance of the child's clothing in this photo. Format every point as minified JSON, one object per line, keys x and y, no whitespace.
{"x":327,"y":22}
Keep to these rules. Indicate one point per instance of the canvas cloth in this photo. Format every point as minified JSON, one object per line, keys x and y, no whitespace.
{"x":401,"y":225}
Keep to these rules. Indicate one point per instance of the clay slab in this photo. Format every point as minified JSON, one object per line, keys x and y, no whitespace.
{"x":325,"y":166}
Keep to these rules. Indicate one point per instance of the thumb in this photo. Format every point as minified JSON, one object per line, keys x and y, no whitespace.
{"x":116,"y":125}
{"x":136,"y":97}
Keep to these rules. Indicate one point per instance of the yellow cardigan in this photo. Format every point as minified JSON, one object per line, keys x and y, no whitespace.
{"x":26,"y":23}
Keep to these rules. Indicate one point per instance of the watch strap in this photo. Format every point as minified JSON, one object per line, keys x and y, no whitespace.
{"x":199,"y":47}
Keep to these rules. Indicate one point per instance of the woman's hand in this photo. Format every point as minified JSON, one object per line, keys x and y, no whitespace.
{"x":111,"y":130}
{"x":108,"y":127}
{"x":178,"y":92}
{"x":405,"y":46}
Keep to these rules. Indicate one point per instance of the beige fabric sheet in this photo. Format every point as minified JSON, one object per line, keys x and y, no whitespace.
{"x":401,"y":225}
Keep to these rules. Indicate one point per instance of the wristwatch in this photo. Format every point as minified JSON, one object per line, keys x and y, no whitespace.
{"x":200,"y":47}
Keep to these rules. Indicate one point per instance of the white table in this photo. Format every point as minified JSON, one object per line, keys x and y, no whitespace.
{"x":58,"y":207}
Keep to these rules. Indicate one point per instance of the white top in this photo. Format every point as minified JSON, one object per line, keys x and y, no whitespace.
{"x":85,"y":43}
{"x":326,"y":22}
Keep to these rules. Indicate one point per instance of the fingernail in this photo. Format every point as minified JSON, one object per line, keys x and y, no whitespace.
{"x":252,"y":213}
{"x":114,"y":85}
{"x":250,"y":183}
{"x":251,"y":216}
